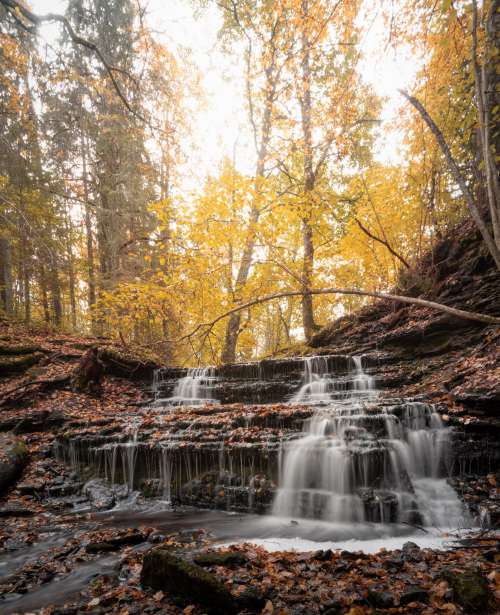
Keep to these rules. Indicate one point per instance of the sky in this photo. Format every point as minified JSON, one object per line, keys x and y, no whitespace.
{"x":220,"y":127}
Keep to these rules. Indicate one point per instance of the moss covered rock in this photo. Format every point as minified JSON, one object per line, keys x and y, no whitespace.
{"x":225,"y":558}
{"x":13,"y":458}
{"x":165,"y":571}
{"x":470,"y":590}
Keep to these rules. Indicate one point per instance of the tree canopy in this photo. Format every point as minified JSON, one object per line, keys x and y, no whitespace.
{"x":103,"y":230}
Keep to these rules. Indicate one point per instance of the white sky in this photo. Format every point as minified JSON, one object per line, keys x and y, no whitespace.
{"x":221,"y":124}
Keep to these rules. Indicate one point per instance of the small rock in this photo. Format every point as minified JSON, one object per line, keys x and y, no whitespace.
{"x":383,"y":600}
{"x":323,"y":556}
{"x":414,"y":594}
{"x":410,"y":546}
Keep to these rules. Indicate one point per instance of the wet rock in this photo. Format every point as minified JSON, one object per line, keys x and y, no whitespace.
{"x":100,"y":495}
{"x":156,"y":537}
{"x":379,"y":599}
{"x":68,"y":488}
{"x":228,"y":559}
{"x":323,"y":556}
{"x":414,"y":594}
{"x":470,"y":590}
{"x":411,"y":552}
{"x":13,"y":544}
{"x":151,"y":487}
{"x":165,"y":571}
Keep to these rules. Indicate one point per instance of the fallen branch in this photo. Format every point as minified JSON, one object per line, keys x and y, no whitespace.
{"x":475,"y":316}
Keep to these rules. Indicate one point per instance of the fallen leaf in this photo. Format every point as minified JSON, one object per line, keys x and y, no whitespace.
{"x":158,"y":596}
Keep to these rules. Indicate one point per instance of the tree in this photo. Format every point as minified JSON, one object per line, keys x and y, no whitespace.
{"x":264,"y":27}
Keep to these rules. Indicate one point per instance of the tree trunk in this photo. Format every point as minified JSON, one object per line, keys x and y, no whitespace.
{"x":55,"y":291}
{"x":24,"y":270}
{"x":228,"y":354}
{"x":484,"y":111}
{"x":6,"y":277}
{"x":89,"y":237}
{"x":72,"y":285}
{"x":308,"y":323}
{"x":308,"y":262}
{"x":43,"y":290}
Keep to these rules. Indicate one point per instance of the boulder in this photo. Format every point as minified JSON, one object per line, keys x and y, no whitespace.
{"x":165,"y":571}
{"x":470,"y":590}
{"x":13,"y":458}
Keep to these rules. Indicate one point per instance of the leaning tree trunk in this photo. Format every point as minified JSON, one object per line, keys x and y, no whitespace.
{"x":459,"y":178}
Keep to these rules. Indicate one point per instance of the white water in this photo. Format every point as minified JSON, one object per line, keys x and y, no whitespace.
{"x":372,"y":545}
{"x":194,"y":389}
{"x":319,"y":387}
{"x":362,"y":460}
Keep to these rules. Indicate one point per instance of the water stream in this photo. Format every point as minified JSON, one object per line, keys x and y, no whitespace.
{"x":363,"y":467}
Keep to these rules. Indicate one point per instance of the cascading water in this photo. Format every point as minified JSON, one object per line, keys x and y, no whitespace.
{"x":320,"y":387}
{"x":194,"y":389}
{"x":365,"y":460}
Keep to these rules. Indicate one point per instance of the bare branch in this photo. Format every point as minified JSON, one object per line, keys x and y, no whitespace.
{"x":384,"y":242}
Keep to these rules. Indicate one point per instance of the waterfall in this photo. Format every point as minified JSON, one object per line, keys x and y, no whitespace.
{"x":320,"y":387}
{"x":363,"y":459}
{"x":193,"y":389}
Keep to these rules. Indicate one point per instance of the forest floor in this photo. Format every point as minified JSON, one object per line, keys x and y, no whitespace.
{"x":59,"y":556}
